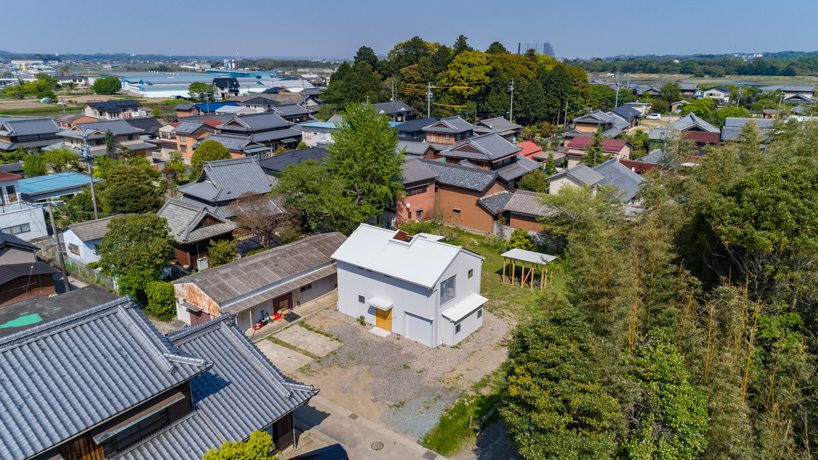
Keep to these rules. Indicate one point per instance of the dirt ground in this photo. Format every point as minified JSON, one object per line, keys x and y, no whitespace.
{"x":396,"y":380}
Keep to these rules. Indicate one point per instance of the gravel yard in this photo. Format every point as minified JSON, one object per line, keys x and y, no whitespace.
{"x":401,"y":382}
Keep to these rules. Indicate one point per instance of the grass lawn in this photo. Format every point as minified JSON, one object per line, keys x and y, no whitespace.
{"x":473,"y":410}
{"x":46,"y":110}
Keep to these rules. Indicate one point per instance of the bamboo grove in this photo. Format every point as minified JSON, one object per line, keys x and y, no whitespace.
{"x":687,"y":329}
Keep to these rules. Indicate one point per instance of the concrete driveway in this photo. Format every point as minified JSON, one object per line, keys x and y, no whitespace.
{"x":304,"y":339}
{"x":324,"y":423}
{"x":285,"y":359}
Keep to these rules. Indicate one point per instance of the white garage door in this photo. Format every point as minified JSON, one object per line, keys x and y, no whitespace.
{"x":419,"y":329}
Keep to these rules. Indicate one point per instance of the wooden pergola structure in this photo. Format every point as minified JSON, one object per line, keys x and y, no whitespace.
{"x":530,"y":263}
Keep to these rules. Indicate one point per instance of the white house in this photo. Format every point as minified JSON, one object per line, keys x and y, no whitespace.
{"x":17,"y":217}
{"x":81,"y":239}
{"x":720,"y":94}
{"x":417,"y":287}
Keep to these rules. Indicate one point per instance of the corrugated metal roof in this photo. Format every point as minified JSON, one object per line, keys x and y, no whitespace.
{"x":243,"y":278}
{"x":420,"y":261}
{"x":66,"y":376}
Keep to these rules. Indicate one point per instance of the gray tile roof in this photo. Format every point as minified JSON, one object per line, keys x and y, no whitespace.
{"x":7,"y":239}
{"x":66,"y":376}
{"x":393,"y":108}
{"x":691,"y":121}
{"x":231,"y":179}
{"x":580,"y":174}
{"x":450,"y":125}
{"x":413,"y":126}
{"x":91,"y":230}
{"x":413,"y":148}
{"x":28,"y":126}
{"x":733,"y":126}
{"x":256,"y":395}
{"x":255,"y":122}
{"x":496,"y":125}
{"x":276,"y":135}
{"x":466,"y":177}
{"x":149,"y":125}
{"x":246,"y":282}
{"x":290,"y":110}
{"x":528,"y":204}
{"x":415,"y":171}
{"x":52,"y":308}
{"x":618,"y":175}
{"x":97,"y":129}
{"x":284,"y":160}
{"x":233,"y":143}
{"x":517,"y":169}
{"x":496,"y":202}
{"x":655,"y":156}
{"x":626,"y":112}
{"x":185,"y":218}
{"x":188,"y":127}
{"x":489,"y":146}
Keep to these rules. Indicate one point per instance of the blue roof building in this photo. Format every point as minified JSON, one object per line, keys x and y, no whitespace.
{"x":41,"y":188}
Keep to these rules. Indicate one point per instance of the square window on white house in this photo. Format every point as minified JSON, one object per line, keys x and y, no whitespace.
{"x":361,"y":299}
{"x":457,"y":328}
{"x":447,"y":290}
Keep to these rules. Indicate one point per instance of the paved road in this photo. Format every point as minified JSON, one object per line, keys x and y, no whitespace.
{"x":324,"y":423}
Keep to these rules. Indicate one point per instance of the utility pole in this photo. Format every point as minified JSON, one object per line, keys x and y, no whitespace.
{"x":616,"y":100}
{"x":565,"y":114}
{"x":86,"y":153}
{"x":393,"y":91}
{"x":58,"y":249}
{"x":511,"y":102}
{"x":428,"y":99}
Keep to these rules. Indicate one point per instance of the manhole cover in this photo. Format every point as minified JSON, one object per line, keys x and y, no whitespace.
{"x":377,"y":445}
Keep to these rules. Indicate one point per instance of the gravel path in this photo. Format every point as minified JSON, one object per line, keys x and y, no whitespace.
{"x":407,"y":377}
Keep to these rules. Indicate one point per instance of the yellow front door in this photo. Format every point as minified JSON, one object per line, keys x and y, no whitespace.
{"x":383,"y":319}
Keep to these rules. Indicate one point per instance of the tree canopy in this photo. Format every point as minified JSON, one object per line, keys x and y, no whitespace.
{"x":136,"y":249}
{"x":106,"y":85}
{"x":201,"y":91}
{"x":208,"y":151}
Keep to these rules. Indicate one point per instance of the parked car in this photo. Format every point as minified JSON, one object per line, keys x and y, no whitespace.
{"x":654,"y":116}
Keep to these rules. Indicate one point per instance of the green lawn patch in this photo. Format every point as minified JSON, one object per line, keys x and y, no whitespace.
{"x":473,"y":410}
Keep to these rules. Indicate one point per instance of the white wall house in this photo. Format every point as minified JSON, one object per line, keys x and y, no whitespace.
{"x":417,"y":287}
{"x":17,"y":217}
{"x":81,"y":239}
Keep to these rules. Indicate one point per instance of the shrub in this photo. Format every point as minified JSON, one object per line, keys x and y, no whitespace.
{"x":208,"y":151}
{"x":161,"y":299}
{"x":221,"y":252}
{"x":520,"y":239}
{"x":288,"y":234}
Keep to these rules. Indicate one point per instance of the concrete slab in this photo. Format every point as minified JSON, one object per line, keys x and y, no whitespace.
{"x":313,"y":342}
{"x":285,"y":359}
{"x":379,"y":332}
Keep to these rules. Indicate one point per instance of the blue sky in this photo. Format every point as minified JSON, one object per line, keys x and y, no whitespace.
{"x":338,"y":28}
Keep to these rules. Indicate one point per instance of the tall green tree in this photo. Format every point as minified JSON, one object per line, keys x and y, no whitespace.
{"x":364,"y":158}
{"x":595,"y":155}
{"x":34,"y":165}
{"x":557,"y":404}
{"x":201,"y":91}
{"x":106,"y":85}
{"x":130,"y":188}
{"x":208,"y":151}
{"x":136,"y":249}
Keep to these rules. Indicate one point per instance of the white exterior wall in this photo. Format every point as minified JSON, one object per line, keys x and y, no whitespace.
{"x":87,"y":250}
{"x":404,"y":296}
{"x":407,"y":298}
{"x":463,"y":287}
{"x":468,"y":325}
{"x":313,"y":138}
{"x":24,"y":213}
